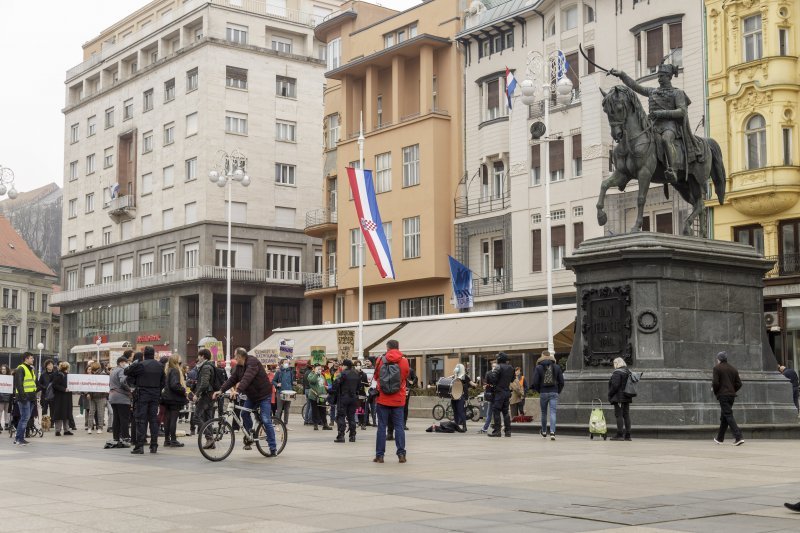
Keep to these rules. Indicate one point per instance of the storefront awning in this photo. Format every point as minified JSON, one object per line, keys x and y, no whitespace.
{"x":517,"y":330}
{"x":306,"y":337}
{"x":104,"y":347}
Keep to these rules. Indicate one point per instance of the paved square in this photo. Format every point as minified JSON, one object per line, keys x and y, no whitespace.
{"x":451,"y":482}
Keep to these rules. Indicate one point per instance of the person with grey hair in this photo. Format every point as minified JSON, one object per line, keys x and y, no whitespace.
{"x":726,"y":383}
{"x":620,"y":400}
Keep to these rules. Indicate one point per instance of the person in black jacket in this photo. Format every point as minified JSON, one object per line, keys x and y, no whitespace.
{"x":61,"y":406}
{"x":791,"y":375}
{"x":148,"y":377}
{"x":618,"y":398}
{"x":174,"y":398}
{"x":500,"y":379}
{"x":45,"y":378}
{"x":459,"y":404}
{"x":548,"y":381}
{"x":726,"y":384}
{"x":346,"y":387}
{"x":204,"y":405}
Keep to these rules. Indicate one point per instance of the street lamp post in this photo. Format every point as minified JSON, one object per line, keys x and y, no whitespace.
{"x":98,"y":341}
{"x":230,"y":168}
{"x":40,"y":347}
{"x":546,"y":75}
{"x":7,"y":183}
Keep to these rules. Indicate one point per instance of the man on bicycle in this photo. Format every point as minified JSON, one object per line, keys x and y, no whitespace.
{"x":250,"y":378}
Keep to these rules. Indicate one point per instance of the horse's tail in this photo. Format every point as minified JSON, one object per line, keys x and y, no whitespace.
{"x":717,"y":169}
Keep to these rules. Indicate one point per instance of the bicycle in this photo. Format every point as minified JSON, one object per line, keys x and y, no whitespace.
{"x":442,"y":409}
{"x":222,"y":434}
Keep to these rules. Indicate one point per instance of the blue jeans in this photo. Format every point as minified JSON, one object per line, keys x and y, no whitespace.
{"x":266,"y":417}
{"x":551,"y":399}
{"x":396,"y":414}
{"x":487,"y":415}
{"x":24,"y":416}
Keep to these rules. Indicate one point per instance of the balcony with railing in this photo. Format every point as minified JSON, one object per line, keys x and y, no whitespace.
{"x":321,"y":222}
{"x":319,"y":281}
{"x":176,"y":277}
{"x":490,"y":286}
{"x":122,"y":208}
{"x":785,"y":265}
{"x":466,"y":206}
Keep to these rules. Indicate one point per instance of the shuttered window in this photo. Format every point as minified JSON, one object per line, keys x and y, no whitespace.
{"x":577,"y":234}
{"x":576,"y":147}
{"x":655,"y":47}
{"x":557,"y":155}
{"x":557,"y":236}
{"x":493,"y":94}
{"x":572,"y":71}
{"x":498,"y":254}
{"x":590,"y":66}
{"x":675,"y":36}
{"x":536,"y":157}
{"x":536,"y":249}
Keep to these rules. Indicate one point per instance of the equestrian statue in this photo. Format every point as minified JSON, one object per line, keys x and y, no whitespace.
{"x":659,"y":147}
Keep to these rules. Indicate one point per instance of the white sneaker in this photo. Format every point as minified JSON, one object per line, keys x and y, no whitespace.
{"x":552,"y":436}
{"x":716,"y":441}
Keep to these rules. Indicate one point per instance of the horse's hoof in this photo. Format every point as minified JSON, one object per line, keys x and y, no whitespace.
{"x":602,"y":218}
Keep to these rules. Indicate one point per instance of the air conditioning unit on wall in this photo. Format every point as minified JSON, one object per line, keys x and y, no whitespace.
{"x":771,"y":319}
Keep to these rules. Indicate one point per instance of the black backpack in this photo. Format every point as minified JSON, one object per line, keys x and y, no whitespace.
{"x":630,"y":384}
{"x":389,"y":378}
{"x":218,"y":379}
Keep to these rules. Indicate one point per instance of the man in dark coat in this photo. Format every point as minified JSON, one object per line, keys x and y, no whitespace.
{"x":791,"y":375}
{"x":148,"y":378}
{"x":204,"y":405}
{"x":548,"y":381}
{"x":726,"y":384}
{"x":346,"y":387}
{"x":500,"y":379}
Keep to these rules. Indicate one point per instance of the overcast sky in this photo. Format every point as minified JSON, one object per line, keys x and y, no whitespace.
{"x":33,"y":64}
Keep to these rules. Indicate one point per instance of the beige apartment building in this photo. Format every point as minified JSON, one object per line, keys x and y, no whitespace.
{"x":402,"y":72}
{"x":166,"y":95}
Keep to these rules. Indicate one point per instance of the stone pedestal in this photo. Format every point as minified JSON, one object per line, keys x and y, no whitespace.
{"x":668,"y":304}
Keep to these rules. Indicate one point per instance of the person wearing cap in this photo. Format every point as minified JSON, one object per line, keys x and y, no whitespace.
{"x":346,"y":388}
{"x":726,"y":383}
{"x":500,"y":379}
{"x":791,"y":375}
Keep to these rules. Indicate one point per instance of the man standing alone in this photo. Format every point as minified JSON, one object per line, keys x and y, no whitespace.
{"x":791,"y":375}
{"x":391,"y":372}
{"x":148,"y":377}
{"x":25,"y":394}
{"x":500,"y":379}
{"x":548,"y":381}
{"x":726,"y":383}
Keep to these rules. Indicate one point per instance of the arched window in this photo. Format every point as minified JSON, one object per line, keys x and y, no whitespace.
{"x":755,"y":134}
{"x":551,"y":27}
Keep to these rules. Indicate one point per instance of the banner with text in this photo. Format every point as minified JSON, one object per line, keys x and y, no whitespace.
{"x":346,"y":340}
{"x":286,"y":348}
{"x":6,"y":384}
{"x":87,"y":383}
{"x":318,"y":355}
{"x":216,"y":349}
{"x":267,"y":357}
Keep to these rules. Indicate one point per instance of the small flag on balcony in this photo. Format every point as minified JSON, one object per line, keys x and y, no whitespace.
{"x":114,"y":190}
{"x":461,"y":276}
{"x":370,"y":220}
{"x":511,"y":84}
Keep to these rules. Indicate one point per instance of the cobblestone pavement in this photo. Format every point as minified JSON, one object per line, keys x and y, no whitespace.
{"x":450,"y":483}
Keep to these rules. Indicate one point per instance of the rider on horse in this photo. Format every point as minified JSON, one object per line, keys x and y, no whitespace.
{"x":668,"y":107}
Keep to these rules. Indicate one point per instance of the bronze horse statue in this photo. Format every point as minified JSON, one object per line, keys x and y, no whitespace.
{"x":636,"y":158}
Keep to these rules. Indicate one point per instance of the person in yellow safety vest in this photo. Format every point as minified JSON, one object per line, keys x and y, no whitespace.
{"x":24,"y":394}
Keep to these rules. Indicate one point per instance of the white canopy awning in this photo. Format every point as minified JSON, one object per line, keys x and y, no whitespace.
{"x":306,"y":337}
{"x":104,"y":347}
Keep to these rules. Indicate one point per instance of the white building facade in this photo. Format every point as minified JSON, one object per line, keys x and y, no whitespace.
{"x":160,"y":98}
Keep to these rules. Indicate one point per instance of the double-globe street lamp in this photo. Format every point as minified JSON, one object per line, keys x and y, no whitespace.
{"x":7,"y":183}
{"x":230,"y":168}
{"x":544,"y":77}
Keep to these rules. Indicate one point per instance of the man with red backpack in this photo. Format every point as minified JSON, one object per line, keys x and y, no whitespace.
{"x":391,"y":375}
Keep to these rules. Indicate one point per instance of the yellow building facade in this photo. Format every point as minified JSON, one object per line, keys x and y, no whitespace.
{"x":753,"y":97}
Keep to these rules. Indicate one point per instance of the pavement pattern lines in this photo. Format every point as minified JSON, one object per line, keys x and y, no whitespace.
{"x":451,"y":482}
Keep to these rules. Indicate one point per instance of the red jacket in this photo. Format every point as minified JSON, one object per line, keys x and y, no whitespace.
{"x":398,"y":399}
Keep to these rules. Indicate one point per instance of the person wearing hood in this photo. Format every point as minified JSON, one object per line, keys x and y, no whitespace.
{"x":500,"y":379}
{"x":390,"y":403}
{"x":548,"y":381}
{"x":283,"y":381}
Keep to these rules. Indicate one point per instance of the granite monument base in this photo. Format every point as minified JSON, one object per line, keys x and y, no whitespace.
{"x":668,"y":304}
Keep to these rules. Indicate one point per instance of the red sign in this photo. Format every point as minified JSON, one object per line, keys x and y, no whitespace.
{"x":148,"y":338}
{"x":101,"y":339}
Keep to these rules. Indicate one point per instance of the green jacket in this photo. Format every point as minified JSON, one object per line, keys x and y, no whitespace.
{"x":318,"y":389}
{"x":205,"y":379}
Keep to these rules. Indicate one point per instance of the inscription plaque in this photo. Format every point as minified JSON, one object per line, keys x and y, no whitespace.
{"x":606,"y":325}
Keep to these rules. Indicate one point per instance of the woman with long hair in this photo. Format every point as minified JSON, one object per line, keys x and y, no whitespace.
{"x":61,"y":406}
{"x":174,"y":398}
{"x":5,"y":401}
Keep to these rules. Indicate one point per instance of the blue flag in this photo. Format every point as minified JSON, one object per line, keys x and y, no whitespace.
{"x":461,"y":276}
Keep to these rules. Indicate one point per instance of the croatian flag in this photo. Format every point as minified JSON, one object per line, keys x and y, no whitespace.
{"x":370,"y":219}
{"x":511,"y":84}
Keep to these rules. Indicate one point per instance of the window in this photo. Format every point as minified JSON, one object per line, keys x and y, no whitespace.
{"x":334,"y":53}
{"x":72,"y":243}
{"x":498,"y":180}
{"x":191,"y":124}
{"x":317,"y":262}
{"x":752,"y":38}
{"x":783,"y":42}
{"x":333,"y":131}
{"x":558,"y":214}
{"x":72,"y":282}
{"x":106,"y":235}
{"x":425,"y":306}
{"x":91,"y":125}
{"x":569,"y":18}
{"x":283,"y":263}
{"x":192,"y":79}
{"x":166,"y":219}
{"x":493,"y":99}
{"x":383,"y":172}
{"x":588,"y":15}
{"x":126,"y":229}
{"x":411,"y":238}
{"x":43,"y":336}
{"x":169,"y":133}
{"x":147,"y":100}
{"x":286,"y":87}
{"x":551,"y":27}
{"x":435,"y":94}
{"x":126,"y":268}
{"x":191,"y":169}
{"x":236,"y":77}
{"x":577,"y":156}
{"x":411,"y":165}
{"x":577,"y":235}
{"x":556,"y":160}
{"x":338,"y":310}
{"x":485,"y":48}
{"x":577,"y":211}
{"x":13,"y":337}
{"x":284,"y":174}
{"x":109,"y":117}
{"x":147,"y":183}
{"x":146,"y":262}
{"x":5,"y":335}
{"x":108,"y":157}
{"x":88,"y":240}
{"x":30,"y":339}
{"x":536,"y":165}
{"x":653,"y":41}
{"x":285,"y":131}
{"x":73,"y":208}
{"x":6,"y":296}
{"x":499,"y":258}
{"x":787,"y":146}
{"x":377,"y":310}
{"x":590,"y":63}
{"x":32,"y":301}
{"x":44,"y":304}
{"x":90,"y":164}
{"x":73,"y":170}
{"x":190,"y":213}
{"x":756,"y":141}
{"x":558,"y":246}
{"x":379,"y":111}
{"x":536,"y":218}
{"x":235,"y":123}
{"x":387,"y":231}
{"x":191,"y":255}
{"x":281,"y":44}
{"x":169,"y":90}
{"x":147,"y":224}
{"x":127,"y":109}
{"x":14,"y":298}
{"x":147,"y":142}
{"x":73,"y":133}
{"x":167,"y":260}
{"x":355,"y":242}
{"x":285,"y":217}
{"x":168,"y":177}
{"x":89,"y":276}
{"x":106,"y":273}
{"x":388,"y":40}
{"x":676,"y":43}
{"x":236,"y":34}
{"x":89,"y":203}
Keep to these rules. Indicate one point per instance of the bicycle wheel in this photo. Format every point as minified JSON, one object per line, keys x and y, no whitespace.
{"x":280,"y":437}
{"x":438,"y":411}
{"x":449,"y":412}
{"x":221,"y":437}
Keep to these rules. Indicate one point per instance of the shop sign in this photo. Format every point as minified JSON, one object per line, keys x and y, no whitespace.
{"x":148,"y":338}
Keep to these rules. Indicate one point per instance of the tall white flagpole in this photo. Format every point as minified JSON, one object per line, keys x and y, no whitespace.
{"x":361,"y":251}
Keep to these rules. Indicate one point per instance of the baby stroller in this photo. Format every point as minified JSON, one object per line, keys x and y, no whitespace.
{"x":33,"y":429}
